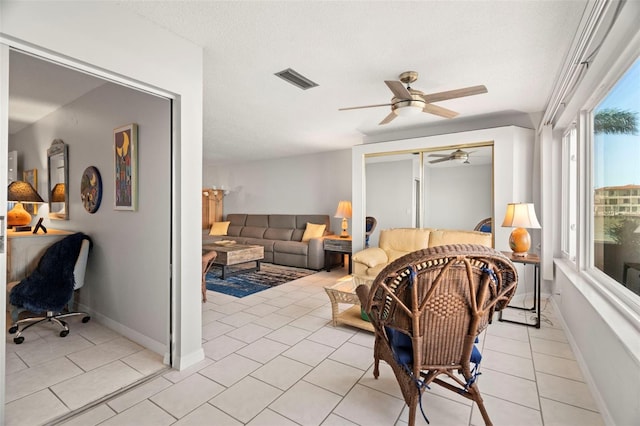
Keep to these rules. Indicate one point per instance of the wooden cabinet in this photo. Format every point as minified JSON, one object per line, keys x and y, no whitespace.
{"x":24,"y":249}
{"x":211,"y":206}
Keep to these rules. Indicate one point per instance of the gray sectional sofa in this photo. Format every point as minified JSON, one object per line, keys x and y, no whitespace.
{"x":280,"y":235}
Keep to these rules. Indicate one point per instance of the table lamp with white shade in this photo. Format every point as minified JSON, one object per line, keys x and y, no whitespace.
{"x":344,"y":211}
{"x":520,"y":216}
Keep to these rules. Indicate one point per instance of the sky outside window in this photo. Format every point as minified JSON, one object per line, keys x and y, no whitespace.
{"x":617,"y":156}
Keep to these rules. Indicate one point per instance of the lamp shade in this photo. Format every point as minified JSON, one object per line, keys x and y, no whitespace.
{"x":58,"y":193}
{"x":23,"y":192}
{"x":520,"y":215}
{"x":344,"y":210}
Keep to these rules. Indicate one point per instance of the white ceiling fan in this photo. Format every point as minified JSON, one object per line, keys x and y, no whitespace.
{"x":458,"y":155}
{"x":408,"y":101}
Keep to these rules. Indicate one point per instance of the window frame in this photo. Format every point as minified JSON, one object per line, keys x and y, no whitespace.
{"x":569,"y":234}
{"x":612,"y":289}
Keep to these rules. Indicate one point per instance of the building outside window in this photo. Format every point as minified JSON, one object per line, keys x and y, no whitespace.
{"x":616,"y":181}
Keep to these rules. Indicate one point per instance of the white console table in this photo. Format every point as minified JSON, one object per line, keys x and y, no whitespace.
{"x":24,"y":249}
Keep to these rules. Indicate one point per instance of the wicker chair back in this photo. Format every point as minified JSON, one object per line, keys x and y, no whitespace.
{"x":440,"y":299}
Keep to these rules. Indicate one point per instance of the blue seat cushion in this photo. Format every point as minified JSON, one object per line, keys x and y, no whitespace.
{"x":400,"y":346}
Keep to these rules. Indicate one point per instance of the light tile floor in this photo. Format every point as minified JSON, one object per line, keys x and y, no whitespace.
{"x":274,"y":359}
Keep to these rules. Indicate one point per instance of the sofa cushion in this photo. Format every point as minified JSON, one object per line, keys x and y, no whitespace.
{"x":253,"y":232}
{"x":313,"y":230}
{"x":219,"y":228}
{"x":237,"y":219}
{"x":291,"y":247}
{"x":281,"y":234}
{"x":297,"y":234}
{"x":257,"y":220}
{"x":236,"y":224}
{"x":445,"y":236}
{"x":267,"y":244}
{"x":234,"y":230}
{"x":400,"y":241}
{"x":287,"y":221}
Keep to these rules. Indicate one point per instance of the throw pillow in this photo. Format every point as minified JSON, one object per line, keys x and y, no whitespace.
{"x":313,"y":231}
{"x":219,"y":228}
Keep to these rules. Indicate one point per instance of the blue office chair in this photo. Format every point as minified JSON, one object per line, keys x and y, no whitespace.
{"x":50,"y":288}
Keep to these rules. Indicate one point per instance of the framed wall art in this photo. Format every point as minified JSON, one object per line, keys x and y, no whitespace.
{"x":91,"y":189}
{"x":125,"y":146}
{"x":31,"y":176}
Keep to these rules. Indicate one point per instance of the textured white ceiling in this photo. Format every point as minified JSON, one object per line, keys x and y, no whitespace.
{"x":349,"y":48}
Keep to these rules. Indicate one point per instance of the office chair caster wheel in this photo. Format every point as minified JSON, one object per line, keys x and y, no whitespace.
{"x":64,"y":333}
{"x":13,"y":329}
{"x":18,"y":340}
{"x":86,"y":319}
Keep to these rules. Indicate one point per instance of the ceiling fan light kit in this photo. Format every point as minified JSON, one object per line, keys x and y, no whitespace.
{"x":408,"y":108}
{"x":408,"y":102}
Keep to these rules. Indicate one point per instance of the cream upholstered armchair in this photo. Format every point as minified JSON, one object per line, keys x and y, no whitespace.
{"x":397,"y":242}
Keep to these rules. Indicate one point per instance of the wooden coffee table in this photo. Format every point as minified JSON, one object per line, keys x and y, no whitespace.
{"x":235,"y":254}
{"x":344,"y":291}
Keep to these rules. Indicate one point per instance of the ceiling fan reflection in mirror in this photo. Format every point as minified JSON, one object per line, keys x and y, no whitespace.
{"x":411,"y":102}
{"x":458,"y":155}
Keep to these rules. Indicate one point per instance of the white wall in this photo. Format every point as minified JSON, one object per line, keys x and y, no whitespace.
{"x":130,"y":260}
{"x":606,"y":344}
{"x":305,"y":184}
{"x":92,"y":36}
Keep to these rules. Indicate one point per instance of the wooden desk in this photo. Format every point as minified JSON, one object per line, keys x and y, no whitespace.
{"x":530,"y":259}
{"x":24,"y":249}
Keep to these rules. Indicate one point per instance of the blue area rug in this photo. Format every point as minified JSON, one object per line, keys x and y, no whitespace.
{"x":247,"y":283}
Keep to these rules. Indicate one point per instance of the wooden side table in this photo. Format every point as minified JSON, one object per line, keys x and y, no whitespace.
{"x":530,"y":259}
{"x":336,"y":244}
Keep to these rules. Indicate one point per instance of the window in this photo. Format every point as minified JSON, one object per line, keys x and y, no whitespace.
{"x":569,"y":193}
{"x":616,"y":177}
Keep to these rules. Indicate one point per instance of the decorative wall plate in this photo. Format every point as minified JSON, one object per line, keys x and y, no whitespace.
{"x":91,"y":189}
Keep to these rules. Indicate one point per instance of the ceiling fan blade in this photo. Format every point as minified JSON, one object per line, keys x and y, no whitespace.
{"x":440,"y":160}
{"x":398,"y":89}
{"x":452,"y":94}
{"x":388,"y":118}
{"x":365,"y":106}
{"x":439,"y":155}
{"x":438,"y":110}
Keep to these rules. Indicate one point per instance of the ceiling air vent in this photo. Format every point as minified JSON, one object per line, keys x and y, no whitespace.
{"x":296,"y":79}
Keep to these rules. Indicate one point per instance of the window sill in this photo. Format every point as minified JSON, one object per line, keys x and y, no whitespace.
{"x":622,"y":318}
